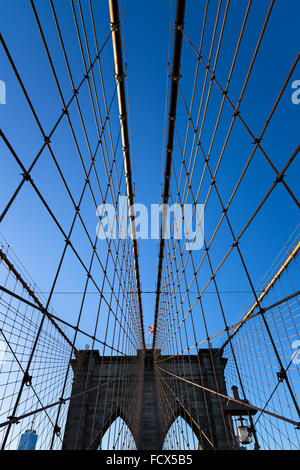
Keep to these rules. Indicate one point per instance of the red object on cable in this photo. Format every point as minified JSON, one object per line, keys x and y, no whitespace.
{"x":151,"y":329}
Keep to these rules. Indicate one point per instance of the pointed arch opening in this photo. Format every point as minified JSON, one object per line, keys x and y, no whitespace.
{"x":117,"y":437}
{"x":181,"y":436}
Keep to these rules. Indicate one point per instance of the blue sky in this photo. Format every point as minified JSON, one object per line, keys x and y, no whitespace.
{"x":28,"y":228}
{"x":146,"y":25}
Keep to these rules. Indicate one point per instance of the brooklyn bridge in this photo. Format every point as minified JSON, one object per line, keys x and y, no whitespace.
{"x":116,"y":333}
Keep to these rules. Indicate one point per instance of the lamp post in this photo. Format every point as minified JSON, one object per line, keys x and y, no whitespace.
{"x":244,"y":432}
{"x":237,"y":407}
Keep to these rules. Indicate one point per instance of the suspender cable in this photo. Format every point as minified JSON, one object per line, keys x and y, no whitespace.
{"x":120,"y":78}
{"x":30,"y":292}
{"x":264,"y":293}
{"x":175,"y":76}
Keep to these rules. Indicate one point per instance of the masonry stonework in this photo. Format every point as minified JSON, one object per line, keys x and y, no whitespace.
{"x":136,"y":389}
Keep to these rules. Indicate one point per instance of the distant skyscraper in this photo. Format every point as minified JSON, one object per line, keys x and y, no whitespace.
{"x":28,"y":440}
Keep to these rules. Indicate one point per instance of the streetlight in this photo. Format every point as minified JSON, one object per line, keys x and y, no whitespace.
{"x":244,"y":432}
{"x":238,"y":407}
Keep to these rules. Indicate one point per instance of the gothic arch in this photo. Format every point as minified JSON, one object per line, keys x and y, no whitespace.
{"x":111,"y":423}
{"x":108,"y":422}
{"x":91,"y":414}
{"x":180,"y":412}
{"x":189,"y":436}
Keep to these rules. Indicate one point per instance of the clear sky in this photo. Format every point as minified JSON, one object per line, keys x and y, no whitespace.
{"x":28,"y":228}
{"x":146,"y":24}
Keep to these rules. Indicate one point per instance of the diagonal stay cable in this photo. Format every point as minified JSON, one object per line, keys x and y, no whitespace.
{"x":239,"y":402}
{"x":120,"y":78}
{"x":175,"y":77}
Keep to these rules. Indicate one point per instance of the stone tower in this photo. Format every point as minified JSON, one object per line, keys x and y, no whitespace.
{"x":129,"y":387}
